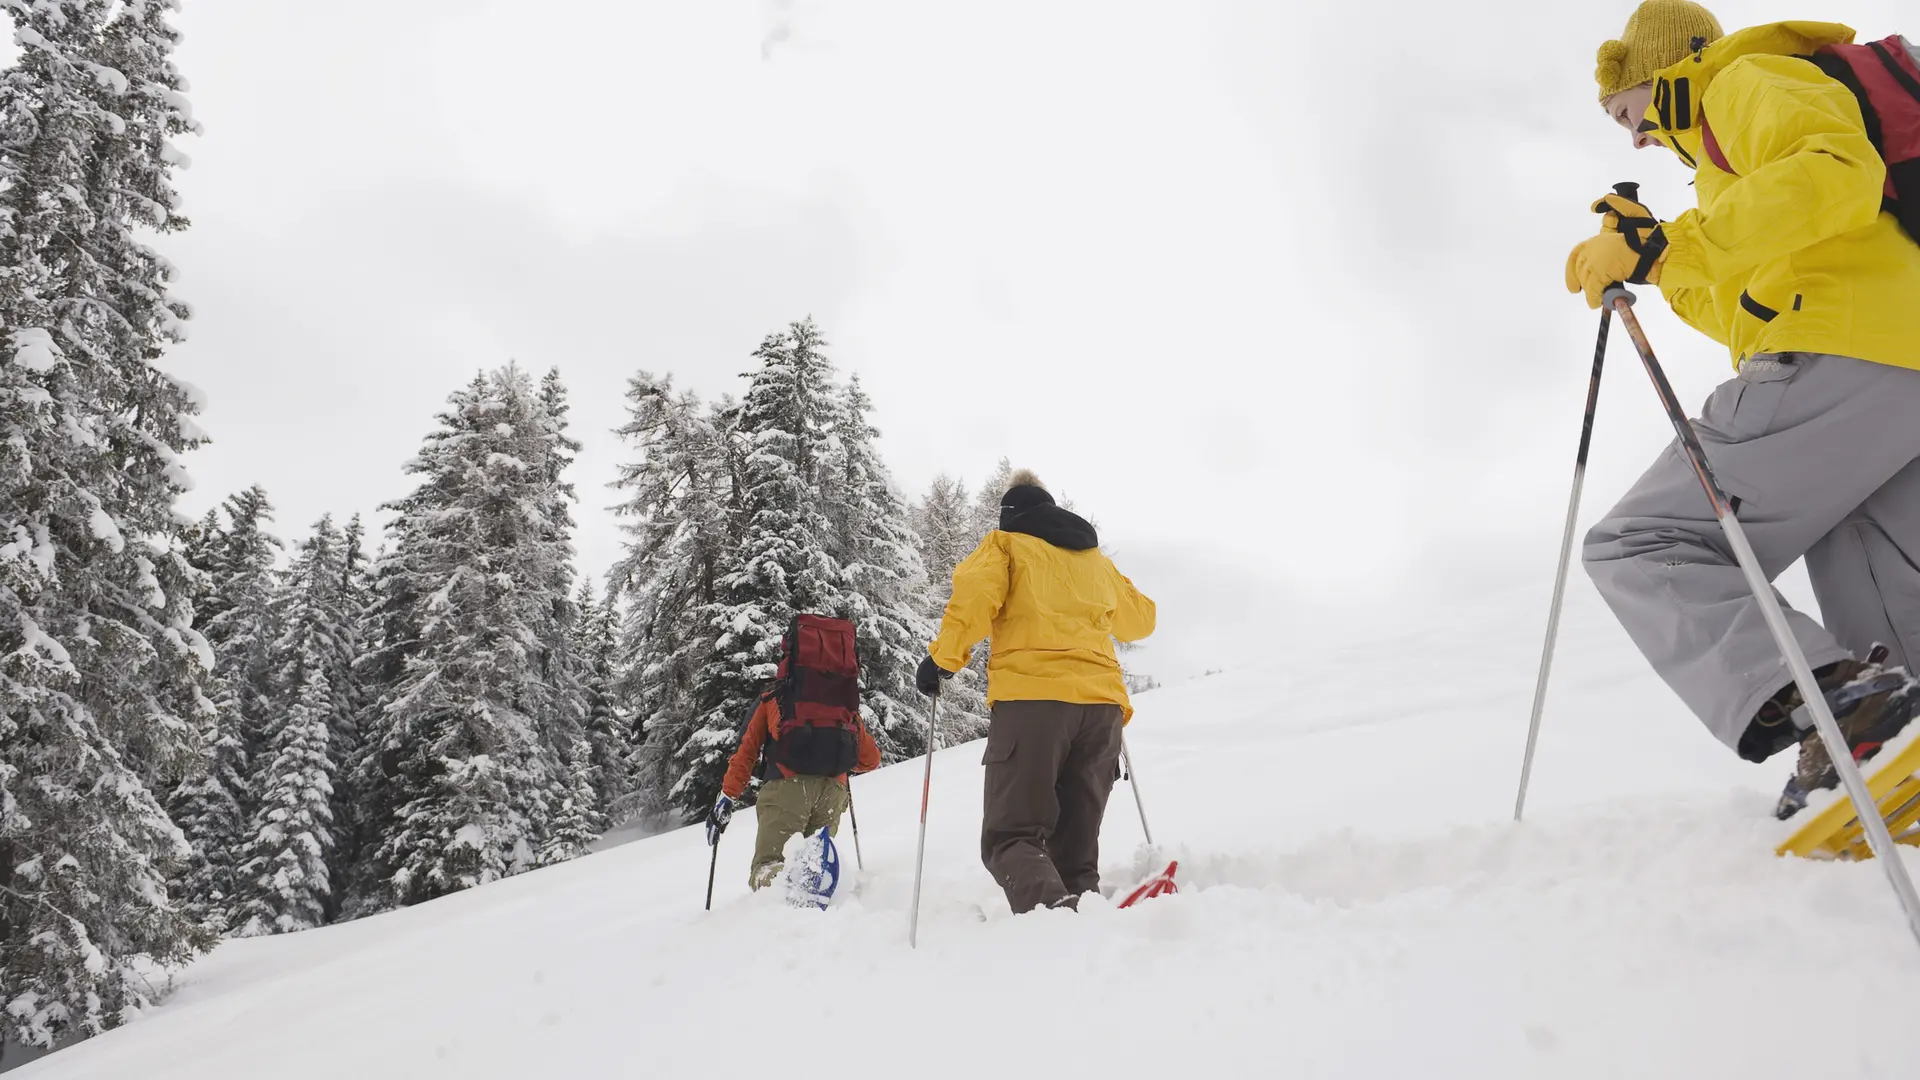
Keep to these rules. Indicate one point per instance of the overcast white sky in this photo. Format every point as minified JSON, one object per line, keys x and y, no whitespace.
{"x":1270,"y":289}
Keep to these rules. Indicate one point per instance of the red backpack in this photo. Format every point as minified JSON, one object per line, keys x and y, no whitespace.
{"x":1885,"y":76}
{"x":818,"y":695}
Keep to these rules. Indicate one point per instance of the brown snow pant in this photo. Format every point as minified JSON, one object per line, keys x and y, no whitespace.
{"x":787,"y":807}
{"x":1050,"y":767}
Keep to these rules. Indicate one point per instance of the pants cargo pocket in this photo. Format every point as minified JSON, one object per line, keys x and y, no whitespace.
{"x":1001,"y":741}
{"x":1748,"y":411}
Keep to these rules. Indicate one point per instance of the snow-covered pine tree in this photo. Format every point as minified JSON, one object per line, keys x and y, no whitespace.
{"x":462,"y":744}
{"x":132,"y":192}
{"x":576,"y":821}
{"x":608,"y":759}
{"x":207,"y":805}
{"x":285,"y":882}
{"x":982,"y":518}
{"x":986,"y":503}
{"x":207,"y":809}
{"x":321,"y":601}
{"x":886,"y":585}
{"x":389,"y":630}
{"x":316,"y":650}
{"x":786,"y":560}
{"x":100,"y":668}
{"x":561,"y":707}
{"x":237,"y":616}
{"x":242,"y":621}
{"x":943,"y":519}
{"x":350,"y":692}
{"x":682,"y":540}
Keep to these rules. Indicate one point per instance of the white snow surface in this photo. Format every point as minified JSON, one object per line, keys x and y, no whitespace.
{"x":1355,"y":902}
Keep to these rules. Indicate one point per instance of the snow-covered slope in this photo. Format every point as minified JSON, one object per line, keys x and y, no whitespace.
{"x":1355,"y":903}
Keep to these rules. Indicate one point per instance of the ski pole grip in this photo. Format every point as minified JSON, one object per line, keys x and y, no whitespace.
{"x":1627,"y":190}
{"x":1616,"y":291}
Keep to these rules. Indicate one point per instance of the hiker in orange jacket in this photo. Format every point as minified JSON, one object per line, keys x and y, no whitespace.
{"x":1053,"y":606}
{"x":789,"y":804}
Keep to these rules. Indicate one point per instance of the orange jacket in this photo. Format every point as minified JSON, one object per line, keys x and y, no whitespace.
{"x":740,"y":769}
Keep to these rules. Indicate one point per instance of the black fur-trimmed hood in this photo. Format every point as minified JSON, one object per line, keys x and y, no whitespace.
{"x":1061,"y":528}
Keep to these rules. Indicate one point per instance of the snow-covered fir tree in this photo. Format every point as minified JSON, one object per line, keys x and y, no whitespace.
{"x":207,"y":806}
{"x":293,"y":851}
{"x":285,"y":882}
{"x":344,"y":680}
{"x":461,"y":751}
{"x":576,"y":820}
{"x":238,"y":617}
{"x":741,"y":516}
{"x":943,"y":519}
{"x":609,"y":760}
{"x":101,"y":670}
{"x":682,"y":539}
{"x":241,"y":620}
{"x":389,"y":632}
{"x":986,"y":503}
{"x":885,"y":586}
{"x":786,"y":563}
{"x":318,"y":606}
{"x":562,"y":709}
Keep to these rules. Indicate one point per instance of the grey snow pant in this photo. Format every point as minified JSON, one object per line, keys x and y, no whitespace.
{"x":1050,"y":767}
{"x":1821,"y":455}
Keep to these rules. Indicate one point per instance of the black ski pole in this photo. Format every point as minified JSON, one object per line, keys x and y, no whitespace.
{"x":1631,"y":192}
{"x":712,"y":865}
{"x":1864,"y":805}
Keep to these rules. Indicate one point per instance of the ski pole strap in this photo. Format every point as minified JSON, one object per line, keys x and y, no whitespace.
{"x":1650,"y":249}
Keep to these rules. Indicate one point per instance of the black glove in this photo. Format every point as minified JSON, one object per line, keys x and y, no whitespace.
{"x":929,"y":677}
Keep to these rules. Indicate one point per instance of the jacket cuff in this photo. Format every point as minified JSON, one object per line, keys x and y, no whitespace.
{"x":1682,"y":266}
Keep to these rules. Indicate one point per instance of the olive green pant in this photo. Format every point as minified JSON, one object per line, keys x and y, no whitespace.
{"x":788,"y":807}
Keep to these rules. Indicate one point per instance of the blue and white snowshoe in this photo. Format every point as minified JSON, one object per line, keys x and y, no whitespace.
{"x":812,"y":877}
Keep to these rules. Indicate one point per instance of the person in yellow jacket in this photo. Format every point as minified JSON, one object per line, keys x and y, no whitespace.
{"x":1053,"y":606}
{"x":1789,"y":261}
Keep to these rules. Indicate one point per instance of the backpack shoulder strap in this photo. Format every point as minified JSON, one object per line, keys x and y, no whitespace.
{"x":1711,"y":146}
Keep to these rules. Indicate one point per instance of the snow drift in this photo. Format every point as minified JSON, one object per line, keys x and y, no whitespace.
{"x":1354,"y":903}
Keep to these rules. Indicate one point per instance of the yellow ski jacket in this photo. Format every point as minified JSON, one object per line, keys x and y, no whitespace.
{"x":1053,"y":614}
{"x":1789,"y":251}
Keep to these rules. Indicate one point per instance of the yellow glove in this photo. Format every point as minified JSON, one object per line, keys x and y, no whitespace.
{"x":1606,"y":260}
{"x":1627,"y":216}
{"x":1629,"y":250}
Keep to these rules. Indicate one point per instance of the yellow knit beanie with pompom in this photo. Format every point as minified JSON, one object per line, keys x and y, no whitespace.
{"x":1660,"y":34}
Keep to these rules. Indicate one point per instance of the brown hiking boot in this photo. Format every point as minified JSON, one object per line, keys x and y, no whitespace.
{"x":1872,"y":704}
